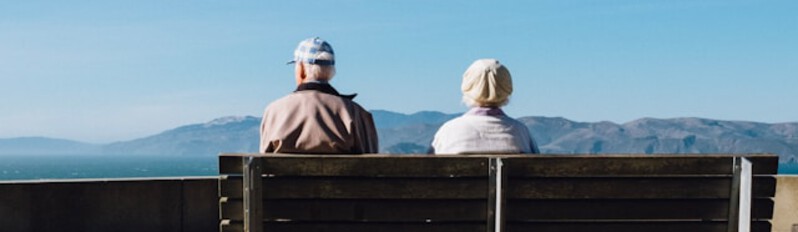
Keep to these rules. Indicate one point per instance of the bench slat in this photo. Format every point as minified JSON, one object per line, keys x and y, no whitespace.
{"x":630,"y":188}
{"x":231,"y":165}
{"x":397,"y":166}
{"x":375,"y":188}
{"x":232,"y":210}
{"x":231,"y":187}
{"x":716,"y":209}
{"x":371,"y":227}
{"x":229,"y":226}
{"x":630,"y":166}
{"x":650,"y":226}
{"x":764,"y":164}
{"x":376,"y":210}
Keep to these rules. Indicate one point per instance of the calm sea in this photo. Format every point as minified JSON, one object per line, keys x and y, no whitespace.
{"x":104,"y":166}
{"x":107,"y":166}
{"x":791,"y":168}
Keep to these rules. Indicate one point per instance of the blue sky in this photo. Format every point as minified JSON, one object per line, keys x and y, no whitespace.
{"x":103,"y":71}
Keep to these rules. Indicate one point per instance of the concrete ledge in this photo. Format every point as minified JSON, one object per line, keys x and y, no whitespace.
{"x":785,"y":212}
{"x":163,"y":204}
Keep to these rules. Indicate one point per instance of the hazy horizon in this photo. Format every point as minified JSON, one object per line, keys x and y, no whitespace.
{"x":372,"y":110}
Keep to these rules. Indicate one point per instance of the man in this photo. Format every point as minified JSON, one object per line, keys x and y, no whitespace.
{"x":315,"y":118}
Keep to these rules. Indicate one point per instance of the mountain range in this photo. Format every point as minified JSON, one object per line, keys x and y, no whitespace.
{"x":403,"y":133}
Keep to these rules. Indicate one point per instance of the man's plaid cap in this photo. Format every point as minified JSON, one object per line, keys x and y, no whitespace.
{"x":310,"y":49}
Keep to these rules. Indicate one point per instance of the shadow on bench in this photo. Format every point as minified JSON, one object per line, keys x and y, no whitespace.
{"x":616,"y":193}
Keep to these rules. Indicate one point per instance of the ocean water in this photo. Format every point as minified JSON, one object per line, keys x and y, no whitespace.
{"x":39,"y":167}
{"x":788,"y":168}
{"x":128,"y":166}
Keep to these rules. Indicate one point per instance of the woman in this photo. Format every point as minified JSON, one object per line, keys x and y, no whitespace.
{"x":485,"y":128}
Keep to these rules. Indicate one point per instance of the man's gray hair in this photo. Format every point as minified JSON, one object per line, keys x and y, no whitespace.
{"x":315,"y":72}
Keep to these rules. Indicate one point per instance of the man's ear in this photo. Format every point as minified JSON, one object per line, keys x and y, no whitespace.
{"x":300,"y":74}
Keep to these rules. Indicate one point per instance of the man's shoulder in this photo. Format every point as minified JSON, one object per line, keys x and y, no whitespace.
{"x":299,"y":98}
{"x":283,"y":102}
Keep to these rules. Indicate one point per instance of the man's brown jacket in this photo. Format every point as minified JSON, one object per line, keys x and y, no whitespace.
{"x":315,"y":119}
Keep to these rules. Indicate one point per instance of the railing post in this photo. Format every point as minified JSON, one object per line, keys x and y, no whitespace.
{"x":496,"y":195}
{"x":253,"y":194}
{"x":740,"y":198}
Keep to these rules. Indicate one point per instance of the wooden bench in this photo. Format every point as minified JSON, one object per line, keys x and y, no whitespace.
{"x":618,"y":193}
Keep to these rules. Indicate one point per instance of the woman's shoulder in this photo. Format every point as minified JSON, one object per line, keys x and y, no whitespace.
{"x":459,"y":121}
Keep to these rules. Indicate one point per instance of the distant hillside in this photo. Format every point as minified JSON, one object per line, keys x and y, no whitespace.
{"x":45,"y":146}
{"x":228,"y":134}
{"x":679,"y":135}
{"x":388,"y":119}
{"x":402,"y":133}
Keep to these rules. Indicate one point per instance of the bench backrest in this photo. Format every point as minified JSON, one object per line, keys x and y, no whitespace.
{"x":496,"y":193}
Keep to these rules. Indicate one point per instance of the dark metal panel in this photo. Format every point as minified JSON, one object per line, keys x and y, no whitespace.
{"x":200,"y":214}
{"x":126,"y":205}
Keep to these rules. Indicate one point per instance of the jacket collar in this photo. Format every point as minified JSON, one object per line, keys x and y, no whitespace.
{"x":324,"y":88}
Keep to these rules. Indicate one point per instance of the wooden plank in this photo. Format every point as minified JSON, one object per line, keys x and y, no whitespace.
{"x":231,"y":187}
{"x":618,"y":188}
{"x":394,"y":166}
{"x":631,"y":226}
{"x":372,"y":227}
{"x":764,"y":186}
{"x":376,"y":210}
{"x":375,"y":188}
{"x":764,"y":164}
{"x":631,"y":165}
{"x":230,"y":165}
{"x":617,"y":166}
{"x":638,"y":209}
{"x":630,"y":188}
{"x":680,"y":163}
